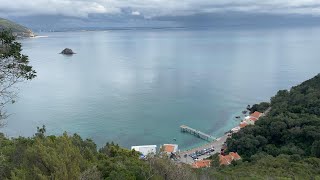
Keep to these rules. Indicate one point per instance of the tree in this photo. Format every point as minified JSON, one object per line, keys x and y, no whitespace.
{"x":50,"y":157}
{"x":260,"y":107}
{"x":315,"y":149}
{"x":14,"y":68}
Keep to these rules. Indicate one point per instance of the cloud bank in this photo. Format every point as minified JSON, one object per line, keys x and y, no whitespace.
{"x":154,"y":8}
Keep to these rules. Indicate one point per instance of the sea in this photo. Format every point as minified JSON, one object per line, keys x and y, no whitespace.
{"x":137,"y":87}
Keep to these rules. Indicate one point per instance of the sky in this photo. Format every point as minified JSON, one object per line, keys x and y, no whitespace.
{"x":154,"y":8}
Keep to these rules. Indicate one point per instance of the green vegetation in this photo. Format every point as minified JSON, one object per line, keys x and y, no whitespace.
{"x":260,"y":107}
{"x":283,"y":145}
{"x":17,"y":29}
{"x":71,"y":157}
{"x":264,"y":166}
{"x":289,"y":135}
{"x":292,"y":127}
{"x":65,"y":157}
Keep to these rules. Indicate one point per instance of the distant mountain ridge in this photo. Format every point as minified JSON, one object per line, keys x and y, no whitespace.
{"x":17,"y":29}
{"x":49,"y":23}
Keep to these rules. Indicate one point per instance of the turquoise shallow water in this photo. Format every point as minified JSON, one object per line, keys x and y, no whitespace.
{"x":138,"y":87}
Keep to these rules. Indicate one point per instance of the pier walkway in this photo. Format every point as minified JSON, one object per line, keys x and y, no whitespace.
{"x":197,"y":133}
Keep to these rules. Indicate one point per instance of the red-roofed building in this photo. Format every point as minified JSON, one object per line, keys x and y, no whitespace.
{"x":235,"y":155}
{"x":227,"y":159}
{"x":256,"y":114}
{"x":243,"y":124}
{"x":201,"y":164}
{"x":170,"y":148}
{"x":250,"y":120}
{"x":253,"y":118}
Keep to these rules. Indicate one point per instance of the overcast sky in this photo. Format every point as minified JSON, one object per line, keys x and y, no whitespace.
{"x":153,"y":8}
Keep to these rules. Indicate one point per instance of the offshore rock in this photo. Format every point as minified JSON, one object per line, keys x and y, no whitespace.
{"x":67,"y":51}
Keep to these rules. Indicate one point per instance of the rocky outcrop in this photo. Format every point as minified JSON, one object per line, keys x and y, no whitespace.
{"x":67,"y":51}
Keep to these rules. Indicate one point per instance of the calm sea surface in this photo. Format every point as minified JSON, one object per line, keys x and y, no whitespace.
{"x":138,"y":87}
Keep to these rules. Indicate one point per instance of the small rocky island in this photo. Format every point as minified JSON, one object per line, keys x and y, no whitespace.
{"x":67,"y":51}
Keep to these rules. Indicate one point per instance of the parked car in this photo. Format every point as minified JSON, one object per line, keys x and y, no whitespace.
{"x":198,"y":153}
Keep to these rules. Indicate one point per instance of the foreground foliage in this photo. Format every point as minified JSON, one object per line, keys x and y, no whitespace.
{"x":71,"y":157}
{"x":268,"y":167}
{"x":66,"y":157}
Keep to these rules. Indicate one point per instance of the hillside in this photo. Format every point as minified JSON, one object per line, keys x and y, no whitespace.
{"x":285,"y":143}
{"x":17,"y":29}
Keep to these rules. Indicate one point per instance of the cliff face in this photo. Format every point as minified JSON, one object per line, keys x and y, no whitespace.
{"x":17,"y":29}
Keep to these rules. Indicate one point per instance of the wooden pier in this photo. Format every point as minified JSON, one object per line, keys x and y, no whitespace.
{"x":197,"y":133}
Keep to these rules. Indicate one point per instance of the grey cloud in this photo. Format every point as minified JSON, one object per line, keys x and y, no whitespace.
{"x":154,"y":8}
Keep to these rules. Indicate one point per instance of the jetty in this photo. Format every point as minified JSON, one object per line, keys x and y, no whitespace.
{"x":217,"y":145}
{"x":199,"y":134}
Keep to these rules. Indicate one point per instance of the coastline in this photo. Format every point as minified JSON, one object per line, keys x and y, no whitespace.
{"x":36,"y":37}
{"x":231,"y":122}
{"x":217,"y":144}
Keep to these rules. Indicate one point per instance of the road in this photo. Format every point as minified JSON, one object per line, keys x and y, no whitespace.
{"x":216,"y":144}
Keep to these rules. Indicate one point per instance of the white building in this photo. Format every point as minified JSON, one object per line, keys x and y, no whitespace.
{"x":146,"y":149}
{"x":249,"y":120}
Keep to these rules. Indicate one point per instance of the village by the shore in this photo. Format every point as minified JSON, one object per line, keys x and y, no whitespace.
{"x":198,"y":157}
